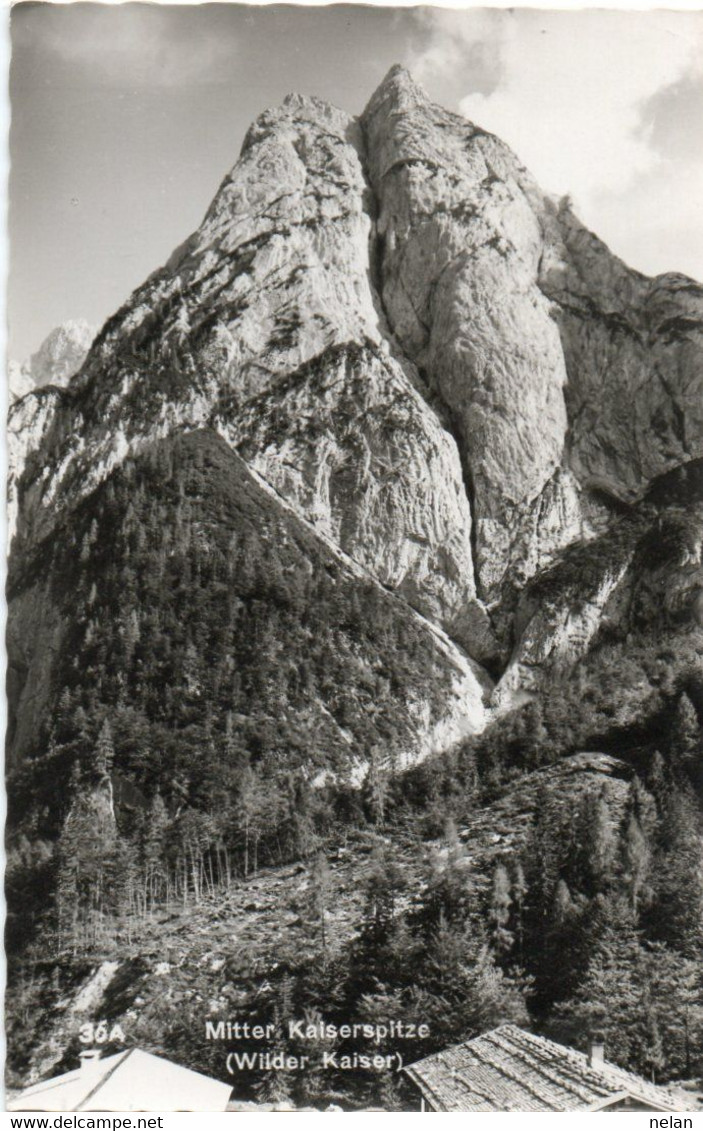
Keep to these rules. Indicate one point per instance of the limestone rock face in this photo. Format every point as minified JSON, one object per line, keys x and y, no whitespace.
{"x":562,"y":370}
{"x":277,"y":278}
{"x":30,"y":419}
{"x":18,"y":381}
{"x":461,"y":245}
{"x":366,"y":461}
{"x":427,"y":360}
{"x":632,"y":347}
{"x":559,"y":616}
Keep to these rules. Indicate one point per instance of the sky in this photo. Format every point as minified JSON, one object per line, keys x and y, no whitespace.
{"x":125,"y":119}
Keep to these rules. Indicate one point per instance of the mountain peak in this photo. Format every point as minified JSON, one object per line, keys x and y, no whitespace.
{"x":398,"y":85}
{"x":58,"y":358}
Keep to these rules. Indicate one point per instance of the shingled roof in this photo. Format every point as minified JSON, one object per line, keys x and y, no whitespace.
{"x":509,"y":1069}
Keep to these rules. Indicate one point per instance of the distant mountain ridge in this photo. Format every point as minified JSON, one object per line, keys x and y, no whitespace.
{"x":58,"y":358}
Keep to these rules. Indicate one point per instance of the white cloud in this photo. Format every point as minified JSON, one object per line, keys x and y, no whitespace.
{"x":655,"y":226}
{"x":453,"y":41}
{"x":573,"y":89}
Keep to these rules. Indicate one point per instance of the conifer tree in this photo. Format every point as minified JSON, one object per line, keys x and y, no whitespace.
{"x":676,"y":916}
{"x":610,"y":998}
{"x":154,"y":851}
{"x":499,"y":911}
{"x":319,"y":892}
{"x":86,"y":863}
{"x":635,"y":860}
{"x":677,"y":989}
{"x":471,"y":992}
{"x":376,"y":788}
{"x":595,"y":845}
{"x":519,"y":893}
{"x":383,"y":883}
{"x":541,"y":859}
{"x":657,"y":781}
{"x":450,"y":890}
{"x":104,"y":753}
{"x":685,"y":751}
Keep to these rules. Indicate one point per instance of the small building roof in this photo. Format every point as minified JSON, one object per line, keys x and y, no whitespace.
{"x":510,"y":1069}
{"x":129,"y":1081}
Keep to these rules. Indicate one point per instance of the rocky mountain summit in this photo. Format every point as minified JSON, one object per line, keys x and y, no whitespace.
{"x":423,"y":358}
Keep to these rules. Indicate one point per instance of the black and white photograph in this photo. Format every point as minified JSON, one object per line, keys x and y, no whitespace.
{"x":354,"y":639}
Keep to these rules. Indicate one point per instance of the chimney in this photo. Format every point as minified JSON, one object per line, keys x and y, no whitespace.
{"x":89,"y":1059}
{"x":596,"y":1051}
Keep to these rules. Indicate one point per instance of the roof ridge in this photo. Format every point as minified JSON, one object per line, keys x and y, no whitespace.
{"x":625,"y":1074}
{"x":603,"y":1069}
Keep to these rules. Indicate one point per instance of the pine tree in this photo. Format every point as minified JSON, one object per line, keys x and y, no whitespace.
{"x":86,"y":864}
{"x":319,"y":892}
{"x":499,"y":912}
{"x":154,"y":852}
{"x":676,"y":915}
{"x":685,"y":752}
{"x":535,"y":735}
{"x":471,"y":992}
{"x":251,"y":815}
{"x":450,"y":893}
{"x":595,"y":846}
{"x":611,"y":999}
{"x":104,"y":753}
{"x":519,"y":893}
{"x":383,"y":884}
{"x":557,"y":965}
{"x":375,"y":789}
{"x":563,"y":904}
{"x":470,"y":777}
{"x":677,"y":990}
{"x":635,"y":862}
{"x":657,"y":781}
{"x":541,"y":858}
{"x":64,"y":717}
{"x":276,"y":1086}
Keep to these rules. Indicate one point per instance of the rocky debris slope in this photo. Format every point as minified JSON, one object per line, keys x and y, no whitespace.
{"x":205,"y":961}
